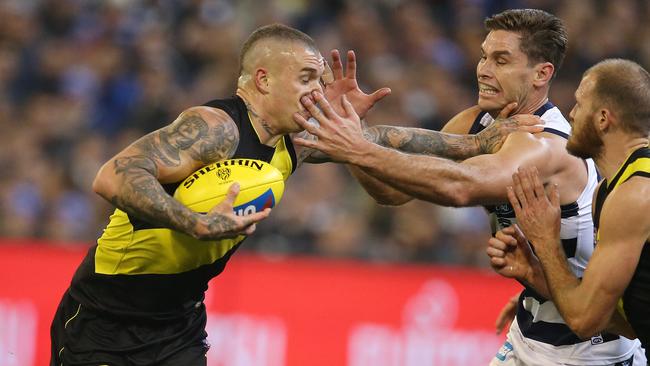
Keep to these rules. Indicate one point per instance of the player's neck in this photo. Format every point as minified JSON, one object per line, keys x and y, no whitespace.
{"x":615,"y":152}
{"x":533,"y":104}
{"x":266,"y":134}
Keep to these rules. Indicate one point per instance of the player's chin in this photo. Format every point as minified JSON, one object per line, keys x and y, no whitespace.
{"x":488,"y":104}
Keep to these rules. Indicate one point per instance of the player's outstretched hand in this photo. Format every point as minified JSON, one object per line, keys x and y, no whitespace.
{"x":510,"y":255}
{"x":507,"y":314}
{"x":491,"y":138}
{"x":338,"y":136}
{"x":338,"y":84}
{"x":221,"y":222}
{"x":538,"y":215}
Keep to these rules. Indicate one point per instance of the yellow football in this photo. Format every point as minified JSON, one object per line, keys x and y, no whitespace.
{"x":261,"y":186}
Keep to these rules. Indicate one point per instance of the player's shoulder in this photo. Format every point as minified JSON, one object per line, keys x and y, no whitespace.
{"x":635,"y":190}
{"x":462,"y":122}
{"x":210,"y":115}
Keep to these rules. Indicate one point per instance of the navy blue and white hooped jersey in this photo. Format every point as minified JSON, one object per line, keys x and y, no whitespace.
{"x":540,"y":324}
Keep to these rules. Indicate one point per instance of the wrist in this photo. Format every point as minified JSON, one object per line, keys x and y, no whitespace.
{"x":364,"y":153}
{"x":479,"y":146}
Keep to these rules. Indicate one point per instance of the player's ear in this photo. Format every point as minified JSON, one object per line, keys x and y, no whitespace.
{"x":543,"y":73}
{"x":262,"y":80}
{"x":606,"y":119}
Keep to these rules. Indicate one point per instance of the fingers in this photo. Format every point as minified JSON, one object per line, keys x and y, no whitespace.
{"x":351,"y":67}
{"x":380,"y":94}
{"x":233,"y":191}
{"x":306,"y":125}
{"x":529,"y":123}
{"x":337,"y":65}
{"x":496,"y":247}
{"x":325,"y":106}
{"x":507,"y":110}
{"x":254,"y":218}
{"x":519,"y":190}
{"x":519,"y":235}
{"x":554,"y":194}
{"x":538,"y":187}
{"x":527,"y":185}
{"x":514,"y":201}
{"x":349,"y":109}
{"x":506,"y":239}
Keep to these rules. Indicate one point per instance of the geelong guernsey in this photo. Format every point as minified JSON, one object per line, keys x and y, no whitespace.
{"x":139,"y":269}
{"x":635,"y":304}
{"x":539,"y":326}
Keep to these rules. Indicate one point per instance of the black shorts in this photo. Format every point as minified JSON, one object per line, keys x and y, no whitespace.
{"x":81,"y":336}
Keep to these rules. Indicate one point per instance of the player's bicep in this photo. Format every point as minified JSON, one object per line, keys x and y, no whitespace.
{"x":461,"y":123}
{"x":624,"y":228}
{"x":493,"y":172}
{"x":199,"y":136}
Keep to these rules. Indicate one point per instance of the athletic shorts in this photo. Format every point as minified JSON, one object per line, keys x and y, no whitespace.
{"x":81,"y":336}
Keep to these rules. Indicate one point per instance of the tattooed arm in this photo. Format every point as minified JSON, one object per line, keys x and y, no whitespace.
{"x":132,"y":179}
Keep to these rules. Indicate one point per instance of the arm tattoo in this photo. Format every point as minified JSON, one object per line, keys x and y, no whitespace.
{"x":143,"y":196}
{"x":192,"y":135}
{"x":426,"y":142}
{"x":140,"y":192}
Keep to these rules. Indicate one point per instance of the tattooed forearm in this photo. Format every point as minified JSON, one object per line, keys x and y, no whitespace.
{"x":142,"y":195}
{"x":426,"y":142}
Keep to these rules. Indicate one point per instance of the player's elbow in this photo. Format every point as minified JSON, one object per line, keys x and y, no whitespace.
{"x":103,"y":185}
{"x":392,"y":200}
{"x":584,"y":325}
{"x":459,"y":196}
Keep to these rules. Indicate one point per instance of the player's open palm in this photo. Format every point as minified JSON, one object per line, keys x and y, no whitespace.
{"x":338,"y":136}
{"x":337,"y":85}
{"x":538,"y":215}
{"x":221,"y":222}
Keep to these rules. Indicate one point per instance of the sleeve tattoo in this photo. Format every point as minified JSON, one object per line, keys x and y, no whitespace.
{"x":142,"y":195}
{"x":426,"y":142}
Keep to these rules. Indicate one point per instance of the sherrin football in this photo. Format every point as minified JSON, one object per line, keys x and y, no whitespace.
{"x":261,"y":186}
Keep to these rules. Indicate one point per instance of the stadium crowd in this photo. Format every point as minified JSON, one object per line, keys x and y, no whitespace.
{"x":80,"y":79}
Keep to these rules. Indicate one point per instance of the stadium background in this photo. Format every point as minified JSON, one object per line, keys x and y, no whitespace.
{"x":80,"y":79}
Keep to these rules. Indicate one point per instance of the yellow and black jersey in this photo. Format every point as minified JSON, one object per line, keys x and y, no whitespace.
{"x":635,"y":304}
{"x":144,"y":270}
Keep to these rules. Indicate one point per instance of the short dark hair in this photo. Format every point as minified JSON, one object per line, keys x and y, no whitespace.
{"x":624,"y":86}
{"x":274,"y":31}
{"x":543,"y":36}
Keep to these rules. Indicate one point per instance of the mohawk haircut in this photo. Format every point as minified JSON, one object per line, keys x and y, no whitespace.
{"x":275,"y":31}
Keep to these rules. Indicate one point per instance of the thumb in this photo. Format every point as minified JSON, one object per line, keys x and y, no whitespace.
{"x":380,"y":94}
{"x":507,"y":110}
{"x":233,"y":191}
{"x":349,"y":110}
{"x":519,"y":235}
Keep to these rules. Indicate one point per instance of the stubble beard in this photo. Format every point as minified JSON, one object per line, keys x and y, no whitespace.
{"x":585,"y":143}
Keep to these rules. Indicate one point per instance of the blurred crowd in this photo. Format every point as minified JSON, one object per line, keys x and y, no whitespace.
{"x":81,"y":79}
